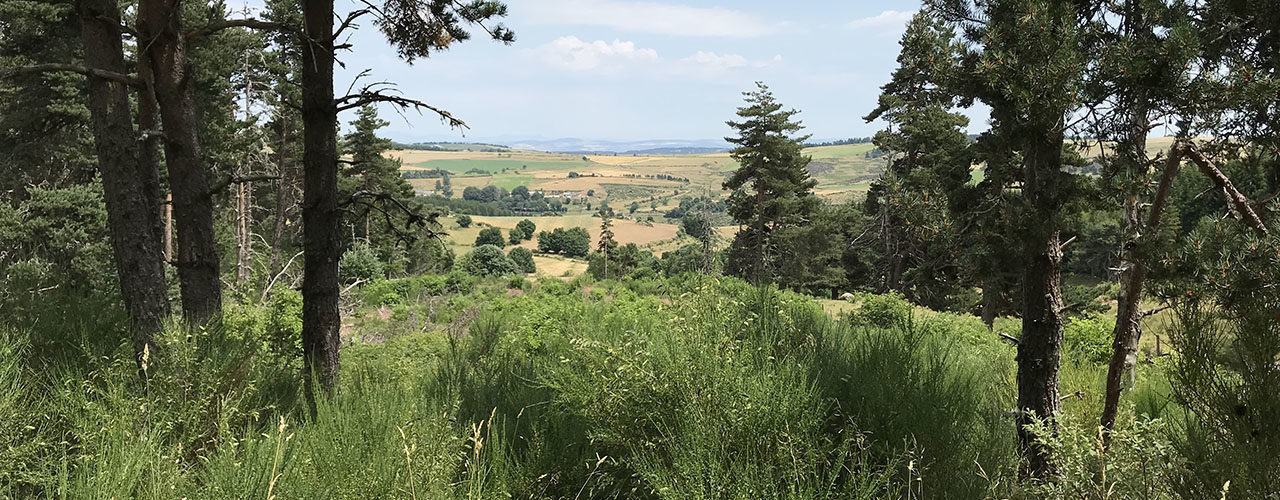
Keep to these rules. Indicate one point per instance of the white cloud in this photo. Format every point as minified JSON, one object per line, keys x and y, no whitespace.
{"x":889,"y":19}
{"x":572,"y":53}
{"x":617,"y":58}
{"x":710,"y":64}
{"x":651,"y":17}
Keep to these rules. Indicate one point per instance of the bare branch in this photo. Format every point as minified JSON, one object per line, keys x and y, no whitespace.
{"x":271,"y":284}
{"x":357,"y":100}
{"x":1239,"y":203}
{"x":240,"y":179}
{"x":1010,"y":338}
{"x":129,"y":80}
{"x":350,"y":20}
{"x":1153,"y":312}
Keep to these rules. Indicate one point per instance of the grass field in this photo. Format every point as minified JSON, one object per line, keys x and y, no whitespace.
{"x":656,"y":238}
{"x":843,"y":172}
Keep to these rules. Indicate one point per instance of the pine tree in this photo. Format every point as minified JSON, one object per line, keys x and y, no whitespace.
{"x":928,"y":163}
{"x":606,"y":236}
{"x":771,"y":189}
{"x":1024,"y":59}
{"x":417,"y":28}
{"x":369,"y":170}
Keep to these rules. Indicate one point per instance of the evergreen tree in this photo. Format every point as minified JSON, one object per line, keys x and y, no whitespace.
{"x":370,"y":170}
{"x":1024,"y":59}
{"x":771,"y":189}
{"x":606,"y":236}
{"x":45,"y":134}
{"x":928,"y":163}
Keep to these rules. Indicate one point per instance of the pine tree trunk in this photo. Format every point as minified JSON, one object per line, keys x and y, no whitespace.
{"x":130,"y":203}
{"x":284,"y":197}
{"x":160,"y":30}
{"x":1039,"y":349}
{"x":242,"y":231}
{"x":1127,"y":333}
{"x":989,"y":305}
{"x":320,"y":216}
{"x":149,"y":159}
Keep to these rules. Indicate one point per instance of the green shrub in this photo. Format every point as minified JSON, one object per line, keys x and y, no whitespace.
{"x":490,"y":236}
{"x":523,"y":257}
{"x":1088,"y":339}
{"x":882,"y":311}
{"x":283,"y":332}
{"x":361,"y":262}
{"x":464,"y":221}
{"x":1140,"y":461}
{"x":488,"y":260}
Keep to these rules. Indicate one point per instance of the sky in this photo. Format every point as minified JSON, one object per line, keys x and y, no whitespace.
{"x":627,"y":70}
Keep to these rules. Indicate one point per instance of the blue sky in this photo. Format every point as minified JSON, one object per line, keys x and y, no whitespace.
{"x":633,"y":70}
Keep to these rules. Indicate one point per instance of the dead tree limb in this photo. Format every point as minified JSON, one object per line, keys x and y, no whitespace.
{"x":1239,"y":204}
{"x":240,"y":179}
{"x":271,"y":284}
{"x":372,"y":94}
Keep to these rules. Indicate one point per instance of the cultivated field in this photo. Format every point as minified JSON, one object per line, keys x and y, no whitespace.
{"x":841,"y":171}
{"x":620,"y":180}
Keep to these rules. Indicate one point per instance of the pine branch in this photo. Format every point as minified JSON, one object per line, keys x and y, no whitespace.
{"x":250,"y":23}
{"x":129,"y":80}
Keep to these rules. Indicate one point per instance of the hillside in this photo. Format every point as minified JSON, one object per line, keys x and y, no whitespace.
{"x":841,"y":171}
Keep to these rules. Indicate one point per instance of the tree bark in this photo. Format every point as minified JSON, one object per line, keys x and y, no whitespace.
{"x":320,"y":216}
{"x":1128,"y":328}
{"x":242,"y":232}
{"x":1039,"y":349}
{"x":989,"y":298}
{"x":149,"y":159}
{"x":130,"y":203}
{"x":160,"y":29}
{"x":284,"y":196}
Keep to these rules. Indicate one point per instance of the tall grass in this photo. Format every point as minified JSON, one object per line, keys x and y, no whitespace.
{"x":714,"y":389}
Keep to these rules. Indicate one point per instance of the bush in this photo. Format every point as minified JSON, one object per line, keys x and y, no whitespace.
{"x":490,"y":236}
{"x":523,"y":257}
{"x":515,"y":236}
{"x":488,"y":260}
{"x":1140,"y":462}
{"x":527,"y":227}
{"x":463,"y":221}
{"x":881,"y":311}
{"x":283,"y":332}
{"x":1088,"y":339}
{"x":361,"y":262}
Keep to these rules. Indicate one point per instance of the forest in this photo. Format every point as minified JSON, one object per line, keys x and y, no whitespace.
{"x":216,"y":281}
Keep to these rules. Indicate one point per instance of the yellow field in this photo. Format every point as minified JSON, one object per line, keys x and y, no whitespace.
{"x":656,"y":238}
{"x":620,"y":180}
